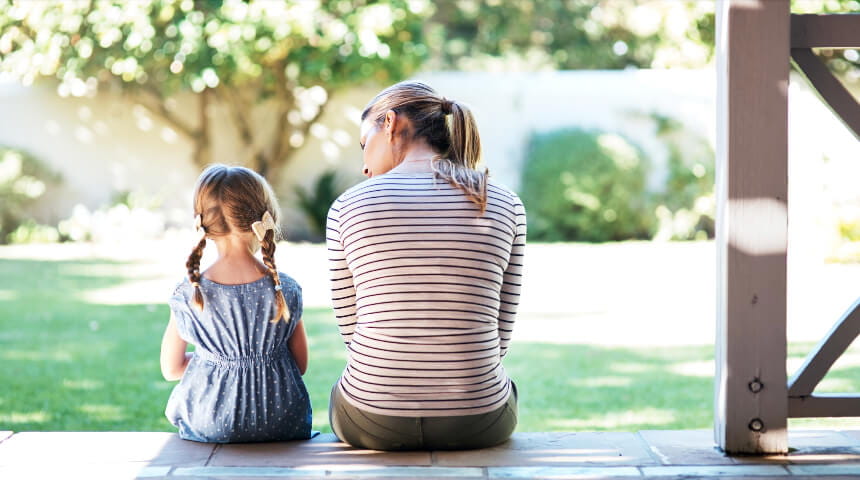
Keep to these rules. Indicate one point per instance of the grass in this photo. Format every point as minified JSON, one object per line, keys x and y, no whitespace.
{"x":72,"y":364}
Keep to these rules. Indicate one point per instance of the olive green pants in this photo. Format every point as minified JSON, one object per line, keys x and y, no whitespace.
{"x":383,"y":432}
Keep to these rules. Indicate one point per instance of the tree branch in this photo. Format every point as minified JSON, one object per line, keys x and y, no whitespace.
{"x":285,"y":150}
{"x":285,"y":103}
{"x":238,"y":109}
{"x":159,"y":109}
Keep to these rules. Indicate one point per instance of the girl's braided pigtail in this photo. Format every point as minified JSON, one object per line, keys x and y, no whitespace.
{"x":268,"y":249}
{"x":193,"y":265}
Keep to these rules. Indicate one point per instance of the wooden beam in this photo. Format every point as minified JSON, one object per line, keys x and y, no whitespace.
{"x":751,"y":398}
{"x":828,"y":350}
{"x":829,"y":89}
{"x":838,"y":30}
{"x":825,"y":405}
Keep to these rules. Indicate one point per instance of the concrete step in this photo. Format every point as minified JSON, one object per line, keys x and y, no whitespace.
{"x":562,"y":455}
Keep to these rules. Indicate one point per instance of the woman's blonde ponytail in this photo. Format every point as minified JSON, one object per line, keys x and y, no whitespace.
{"x":458,"y":166}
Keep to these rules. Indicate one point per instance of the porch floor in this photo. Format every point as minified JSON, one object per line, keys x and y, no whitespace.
{"x":646,"y":454}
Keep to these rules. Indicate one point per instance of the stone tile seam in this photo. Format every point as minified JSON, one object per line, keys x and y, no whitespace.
{"x":650,"y":449}
{"x":211,"y":454}
{"x":487,"y":472}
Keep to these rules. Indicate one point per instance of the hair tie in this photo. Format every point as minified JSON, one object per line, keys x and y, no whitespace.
{"x":263,"y":225}
{"x":447,"y":106}
{"x":195,"y":284}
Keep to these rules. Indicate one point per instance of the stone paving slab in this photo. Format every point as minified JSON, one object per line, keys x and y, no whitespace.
{"x":562,"y":472}
{"x":104,"y":471}
{"x":555,"y":449}
{"x":825,"y":470}
{"x":652,"y":454}
{"x":686,"y":447}
{"x":57,"y":448}
{"x":823,"y":446}
{"x":324,"y":449}
{"x":714,"y":470}
{"x":324,"y":471}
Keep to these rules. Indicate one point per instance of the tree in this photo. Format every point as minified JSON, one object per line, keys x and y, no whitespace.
{"x":290,"y":55}
{"x":570,"y":34}
{"x":593,"y":34}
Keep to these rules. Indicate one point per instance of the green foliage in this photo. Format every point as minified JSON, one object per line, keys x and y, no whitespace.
{"x":31,"y":232}
{"x":586,"y":186}
{"x":235,"y":52}
{"x":571,"y":34}
{"x":173,"y":45}
{"x":316,"y":202}
{"x":849,"y":229}
{"x":686,"y":202}
{"x":23,"y":180}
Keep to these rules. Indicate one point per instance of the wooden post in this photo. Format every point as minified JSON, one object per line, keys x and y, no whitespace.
{"x":751,"y":398}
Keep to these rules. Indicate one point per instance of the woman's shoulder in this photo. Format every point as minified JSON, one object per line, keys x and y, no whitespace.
{"x":358,"y":189}
{"x":502,"y":191}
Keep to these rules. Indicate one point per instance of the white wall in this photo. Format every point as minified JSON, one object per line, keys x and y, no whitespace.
{"x":106,"y":144}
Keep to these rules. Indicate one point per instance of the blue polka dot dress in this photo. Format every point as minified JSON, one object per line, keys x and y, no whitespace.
{"x":242,"y":384}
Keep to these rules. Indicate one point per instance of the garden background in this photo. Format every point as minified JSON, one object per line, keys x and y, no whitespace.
{"x":599,"y":113}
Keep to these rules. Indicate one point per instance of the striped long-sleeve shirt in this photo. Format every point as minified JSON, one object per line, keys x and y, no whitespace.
{"x":425,"y":290}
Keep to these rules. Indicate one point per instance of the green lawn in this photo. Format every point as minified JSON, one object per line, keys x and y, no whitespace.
{"x":70,"y":364}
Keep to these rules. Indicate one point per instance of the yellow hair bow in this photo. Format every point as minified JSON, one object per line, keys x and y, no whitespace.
{"x":262,"y":226}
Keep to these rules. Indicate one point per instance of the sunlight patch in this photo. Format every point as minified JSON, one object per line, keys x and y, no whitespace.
{"x":18,"y":417}
{"x":83,"y":384}
{"x":8,"y":295}
{"x":149,"y":292}
{"x":36,"y":356}
{"x":630,"y":367}
{"x":703,"y":369}
{"x":592,"y":382}
{"x":653,"y":417}
{"x":102,"y":412}
{"x":836,"y":385}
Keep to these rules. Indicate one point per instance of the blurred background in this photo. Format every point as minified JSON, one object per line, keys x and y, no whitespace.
{"x":599,"y":113}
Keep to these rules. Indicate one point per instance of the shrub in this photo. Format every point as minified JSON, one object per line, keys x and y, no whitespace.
{"x":316,"y":202}
{"x":589,"y":186}
{"x":31,"y":232}
{"x":686,"y":207}
{"x":23,"y":180}
{"x":121,"y":220}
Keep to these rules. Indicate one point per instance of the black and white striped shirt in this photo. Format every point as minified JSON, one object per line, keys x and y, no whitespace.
{"x":425,"y":290}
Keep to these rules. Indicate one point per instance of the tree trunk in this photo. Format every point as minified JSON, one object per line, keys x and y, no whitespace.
{"x":202,"y":154}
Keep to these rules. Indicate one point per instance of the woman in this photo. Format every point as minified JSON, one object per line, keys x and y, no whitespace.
{"x":426,"y":260}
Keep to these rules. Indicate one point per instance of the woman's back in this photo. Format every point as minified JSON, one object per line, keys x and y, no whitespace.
{"x":425,"y":290}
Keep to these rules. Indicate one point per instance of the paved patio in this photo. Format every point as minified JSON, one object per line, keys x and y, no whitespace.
{"x":647,"y":454}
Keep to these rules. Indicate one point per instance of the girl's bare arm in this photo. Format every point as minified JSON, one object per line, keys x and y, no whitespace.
{"x":298,"y":344}
{"x":174,"y":358}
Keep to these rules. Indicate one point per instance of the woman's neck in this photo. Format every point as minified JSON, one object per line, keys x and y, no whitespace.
{"x":417,"y":159}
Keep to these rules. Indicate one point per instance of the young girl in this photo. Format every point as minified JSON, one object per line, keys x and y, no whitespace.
{"x":243,"y":383}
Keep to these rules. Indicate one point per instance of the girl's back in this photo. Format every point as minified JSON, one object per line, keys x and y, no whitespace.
{"x":242,"y":384}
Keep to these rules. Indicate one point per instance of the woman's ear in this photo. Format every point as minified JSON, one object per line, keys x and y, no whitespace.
{"x":390,"y":124}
